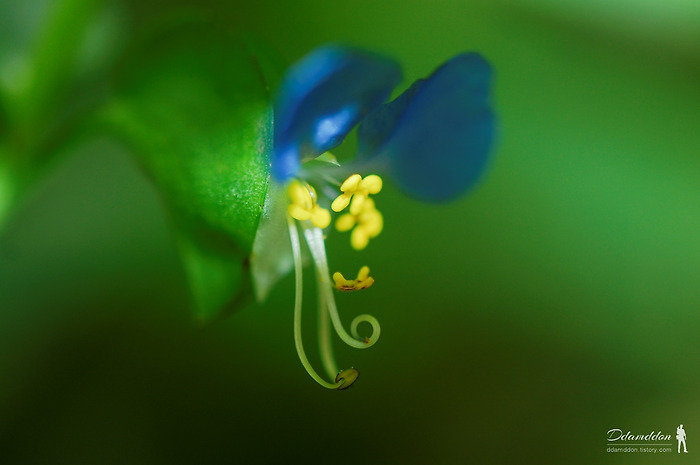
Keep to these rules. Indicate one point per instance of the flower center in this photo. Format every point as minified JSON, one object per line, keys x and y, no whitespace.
{"x":304,"y":213}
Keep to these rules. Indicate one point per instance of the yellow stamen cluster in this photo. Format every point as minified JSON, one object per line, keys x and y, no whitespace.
{"x":363,"y":281}
{"x":368,"y":223}
{"x":304,"y":206}
{"x":358,"y":190}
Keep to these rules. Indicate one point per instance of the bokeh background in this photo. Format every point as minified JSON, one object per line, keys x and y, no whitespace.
{"x":558,"y":300}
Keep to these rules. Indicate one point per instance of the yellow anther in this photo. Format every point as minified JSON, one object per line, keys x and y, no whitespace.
{"x":357,"y":189}
{"x":368,"y":224}
{"x":363,"y":281}
{"x":304,"y":207}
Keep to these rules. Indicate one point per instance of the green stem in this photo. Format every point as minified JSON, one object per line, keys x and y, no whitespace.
{"x":314,"y":238}
{"x":52,"y":62}
{"x":324,"y":338}
{"x":296,"y":252}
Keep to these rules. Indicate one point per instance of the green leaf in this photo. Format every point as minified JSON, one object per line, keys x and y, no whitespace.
{"x":194,"y":105}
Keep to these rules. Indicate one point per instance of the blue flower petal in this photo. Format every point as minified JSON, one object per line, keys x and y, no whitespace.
{"x":435,"y":138}
{"x":322,"y":98}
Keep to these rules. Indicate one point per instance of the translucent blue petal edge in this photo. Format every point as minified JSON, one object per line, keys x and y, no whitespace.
{"x":321,"y":98}
{"x":435,"y":139}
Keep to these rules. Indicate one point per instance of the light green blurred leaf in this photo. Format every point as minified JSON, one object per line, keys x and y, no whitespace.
{"x":193,"y":104}
{"x":54,"y":63}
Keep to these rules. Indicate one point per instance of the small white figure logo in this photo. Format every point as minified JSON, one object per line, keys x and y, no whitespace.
{"x":680,"y":435}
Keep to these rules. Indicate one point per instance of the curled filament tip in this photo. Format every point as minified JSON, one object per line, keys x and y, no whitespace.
{"x":346,"y":378}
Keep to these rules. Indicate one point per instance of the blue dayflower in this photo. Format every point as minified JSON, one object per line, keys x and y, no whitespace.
{"x":433,"y":141}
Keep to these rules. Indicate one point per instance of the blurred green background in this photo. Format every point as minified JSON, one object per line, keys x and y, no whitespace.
{"x":558,"y":300}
